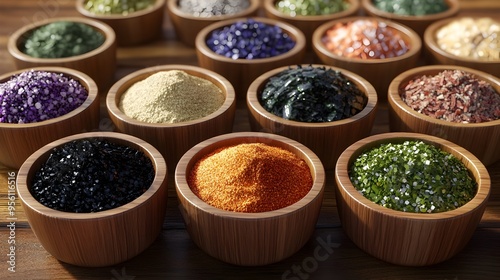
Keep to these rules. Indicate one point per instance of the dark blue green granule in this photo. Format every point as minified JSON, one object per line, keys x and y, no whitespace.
{"x":92,"y":175}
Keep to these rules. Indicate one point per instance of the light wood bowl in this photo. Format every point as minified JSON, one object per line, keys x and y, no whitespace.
{"x":187,"y":26}
{"x":19,"y":141}
{"x":99,"y":64}
{"x":102,"y":238}
{"x":379,"y":72}
{"x":249,"y":239}
{"x":133,"y":29}
{"x":242,"y":72}
{"x":481,"y":139}
{"x":436,"y":55}
{"x":417,"y":23}
{"x":173,"y":139}
{"x":308,"y":24}
{"x":403,"y":238}
{"x":329,"y":139}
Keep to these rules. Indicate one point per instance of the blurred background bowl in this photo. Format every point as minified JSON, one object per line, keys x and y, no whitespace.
{"x":481,"y":139}
{"x":116,"y":234}
{"x":249,"y":239}
{"x":19,"y":141}
{"x":403,"y":238}
{"x":328,"y":139}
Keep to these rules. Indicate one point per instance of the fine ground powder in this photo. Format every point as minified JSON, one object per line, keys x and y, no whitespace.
{"x":170,"y":97}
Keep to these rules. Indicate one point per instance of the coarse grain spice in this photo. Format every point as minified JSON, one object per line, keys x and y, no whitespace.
{"x":117,"y":7}
{"x":250,"y":177}
{"x":411,"y":7}
{"x":171,"y":96}
{"x":453,"y":95}
{"x":210,"y":8}
{"x":311,"y":7}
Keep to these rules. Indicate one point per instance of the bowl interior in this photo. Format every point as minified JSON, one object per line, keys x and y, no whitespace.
{"x":173,"y":7}
{"x":80,"y":6}
{"x":453,"y":8}
{"x":270,"y":6}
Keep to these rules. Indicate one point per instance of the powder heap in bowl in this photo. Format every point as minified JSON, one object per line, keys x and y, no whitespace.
{"x":211,"y":8}
{"x":171,"y":97}
{"x":311,"y":7}
{"x":117,"y":7}
{"x":250,"y":177}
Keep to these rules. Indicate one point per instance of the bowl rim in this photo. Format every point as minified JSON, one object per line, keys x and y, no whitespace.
{"x":101,"y":27}
{"x":253,"y":94}
{"x":41,"y":154}
{"x":395,"y":98}
{"x":429,"y":39}
{"x":414,"y":40}
{"x":84,"y":79}
{"x":174,"y":9}
{"x":472,"y":162}
{"x":269,"y":6}
{"x":211,"y":144}
{"x":453,"y":9}
{"x":296,"y":34}
{"x":80,"y":7}
{"x":124,"y":83}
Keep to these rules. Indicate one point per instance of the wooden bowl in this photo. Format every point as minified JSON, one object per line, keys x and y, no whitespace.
{"x":417,"y":23}
{"x":249,"y":239}
{"x":436,"y":55}
{"x":173,"y":139}
{"x":133,"y":29}
{"x":242,"y":72}
{"x":481,"y":139}
{"x":99,"y":64}
{"x":379,"y":72}
{"x":308,"y":24}
{"x":322,"y":138}
{"x":187,"y":26}
{"x":19,"y":141}
{"x":101,"y":238}
{"x":403,"y":238}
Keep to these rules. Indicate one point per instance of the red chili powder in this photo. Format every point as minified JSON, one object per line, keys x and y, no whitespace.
{"x":250,"y":177}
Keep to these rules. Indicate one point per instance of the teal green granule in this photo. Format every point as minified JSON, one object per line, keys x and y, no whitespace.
{"x":413,"y":177}
{"x":311,"y":7}
{"x":411,"y":7}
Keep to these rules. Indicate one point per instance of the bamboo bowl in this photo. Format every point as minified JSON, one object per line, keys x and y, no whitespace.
{"x":403,"y":238}
{"x":481,"y":139}
{"x":308,"y":24}
{"x":436,"y":55}
{"x":242,"y":72}
{"x":187,"y":26}
{"x":322,"y":138}
{"x":101,"y":238}
{"x":379,"y":72}
{"x":173,"y":139}
{"x":133,"y":29}
{"x":249,"y":239}
{"x":417,"y":23}
{"x":19,"y":141}
{"x":99,"y":64}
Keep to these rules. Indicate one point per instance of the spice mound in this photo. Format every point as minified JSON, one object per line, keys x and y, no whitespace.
{"x":117,"y":7}
{"x":62,"y":39}
{"x":210,"y":8}
{"x":171,"y":97}
{"x":312,"y":94}
{"x":250,"y":177}
{"x":412,"y":177}
{"x":35,"y":96}
{"x":411,"y":7}
{"x":365,"y":39}
{"x":92,"y":175}
{"x":453,"y":95}
{"x":311,"y":7}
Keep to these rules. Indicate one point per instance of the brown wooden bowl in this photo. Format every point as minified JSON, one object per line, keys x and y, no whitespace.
{"x":173,"y":139}
{"x":417,"y":23}
{"x":132,"y":29}
{"x":242,"y":72}
{"x":436,"y":55}
{"x":379,"y":72}
{"x":99,"y":64}
{"x":308,"y":24}
{"x":187,"y":26}
{"x":403,"y":238}
{"x":249,"y":239}
{"x":101,"y":238}
{"x":19,"y":141}
{"x":327,"y":140}
{"x":481,"y":139}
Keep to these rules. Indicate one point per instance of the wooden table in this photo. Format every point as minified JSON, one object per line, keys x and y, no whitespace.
{"x":174,"y":255}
